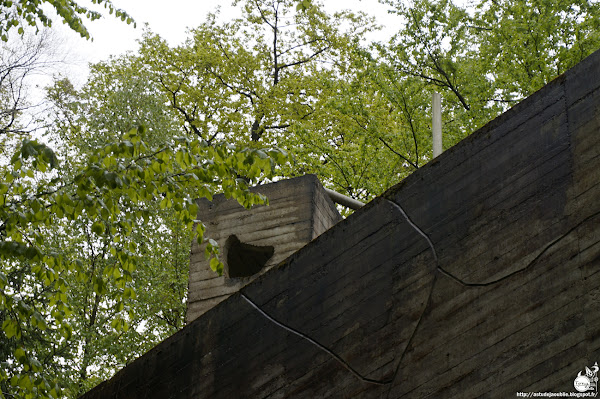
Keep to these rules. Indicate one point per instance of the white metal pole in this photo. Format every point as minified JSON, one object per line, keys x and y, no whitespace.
{"x":437,"y":124}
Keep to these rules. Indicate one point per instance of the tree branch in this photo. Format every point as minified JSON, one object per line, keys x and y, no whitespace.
{"x":397,"y":153}
{"x":304,"y":61}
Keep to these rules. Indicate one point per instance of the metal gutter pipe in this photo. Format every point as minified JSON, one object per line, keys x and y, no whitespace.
{"x":344,"y":200}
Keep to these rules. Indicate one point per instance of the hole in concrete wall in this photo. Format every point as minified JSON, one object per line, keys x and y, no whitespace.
{"x":245,"y":260}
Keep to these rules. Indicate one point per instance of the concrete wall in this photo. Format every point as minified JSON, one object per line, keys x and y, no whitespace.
{"x":477,"y":276}
{"x":299,"y":211}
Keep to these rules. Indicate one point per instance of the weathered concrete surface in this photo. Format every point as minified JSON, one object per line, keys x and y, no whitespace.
{"x":299,"y":210}
{"x":478,"y":276}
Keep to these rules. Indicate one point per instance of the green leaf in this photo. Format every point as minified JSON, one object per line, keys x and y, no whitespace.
{"x":20,"y":355}
{"x":128,"y":292}
{"x":39,"y":321}
{"x":67,"y":330}
{"x":98,"y":227}
{"x":26,"y":383}
{"x":11,"y":328}
{"x":216,"y":265}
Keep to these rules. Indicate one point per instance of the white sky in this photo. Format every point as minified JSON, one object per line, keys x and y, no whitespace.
{"x":170,"y":19}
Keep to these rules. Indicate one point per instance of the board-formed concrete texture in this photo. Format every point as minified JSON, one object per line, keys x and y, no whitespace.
{"x":477,"y":276}
{"x":254,"y":240}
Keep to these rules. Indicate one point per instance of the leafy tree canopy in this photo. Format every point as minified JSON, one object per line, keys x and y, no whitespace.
{"x":21,"y":13}
{"x":108,"y":199}
{"x":95,"y":233}
{"x":487,"y":57}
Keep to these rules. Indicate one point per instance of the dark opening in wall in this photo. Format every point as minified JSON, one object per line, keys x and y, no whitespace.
{"x":245,"y":260}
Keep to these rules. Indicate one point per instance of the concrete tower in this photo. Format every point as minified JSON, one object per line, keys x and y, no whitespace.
{"x":253,"y":241}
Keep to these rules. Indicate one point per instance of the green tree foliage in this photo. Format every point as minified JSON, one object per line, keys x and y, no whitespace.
{"x":22,"y":13}
{"x":84,"y":120}
{"x":486,"y":58}
{"x":94,"y":249}
{"x":73,"y":248}
{"x":291,"y":74}
{"x":525,"y":44}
